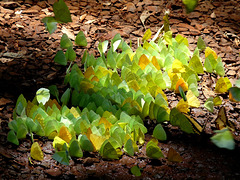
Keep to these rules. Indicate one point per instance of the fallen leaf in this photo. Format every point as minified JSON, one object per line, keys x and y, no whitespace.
{"x":213,"y":15}
{"x":54,"y":172}
{"x":144,"y":16}
{"x":68,"y":32}
{"x":4,"y":101}
{"x":130,"y":7}
{"x":82,"y":17}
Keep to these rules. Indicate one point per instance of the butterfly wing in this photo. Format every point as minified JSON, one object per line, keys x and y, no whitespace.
{"x":174,"y":156}
{"x":222,"y":120}
{"x":197,"y":127}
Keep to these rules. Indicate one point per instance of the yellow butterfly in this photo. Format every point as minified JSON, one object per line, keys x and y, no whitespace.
{"x":222,"y":120}
{"x":174,"y":156}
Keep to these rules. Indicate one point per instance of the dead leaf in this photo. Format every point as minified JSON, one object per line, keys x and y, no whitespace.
{"x":68,"y":32}
{"x":144,"y":16}
{"x":213,"y":15}
{"x":82,"y":17}
{"x":207,"y":92}
{"x":90,"y":21}
{"x":54,"y":172}
{"x":47,"y":12}
{"x":5,"y":60}
{"x":4,"y":101}
{"x":10,"y":5}
{"x":130,"y":7}
{"x":4,"y":152}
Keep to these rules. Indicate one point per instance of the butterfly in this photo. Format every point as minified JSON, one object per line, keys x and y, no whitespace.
{"x":174,"y":156}
{"x":185,"y":122}
{"x":197,"y":127}
{"x":222,"y":120}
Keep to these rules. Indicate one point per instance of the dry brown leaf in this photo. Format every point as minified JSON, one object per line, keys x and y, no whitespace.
{"x":4,"y":101}
{"x":144,"y":16}
{"x":213,"y":15}
{"x":82,"y":17}
{"x":54,"y":172}
{"x":130,"y":7}
{"x":207,"y":92}
{"x":68,"y":32}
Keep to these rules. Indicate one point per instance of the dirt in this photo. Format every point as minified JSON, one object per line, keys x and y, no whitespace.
{"x":26,"y":64}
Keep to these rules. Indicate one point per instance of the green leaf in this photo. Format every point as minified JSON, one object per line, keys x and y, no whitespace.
{"x":152,"y":149}
{"x":12,"y":137}
{"x":61,"y":157}
{"x":223,"y":139}
{"x":81,"y":39}
{"x":65,"y":42}
{"x":159,"y":133}
{"x":235,"y":91}
{"x":201,"y":44}
{"x":42,"y":95}
{"x":190,"y":5}
{"x":66,"y":96}
{"x":70,"y":53}
{"x":61,"y":12}
{"x":128,"y":147}
{"x":60,"y":58}
{"x":50,"y":24}
{"x":86,"y":144}
{"x":135,"y":170}
{"x":75,"y":150}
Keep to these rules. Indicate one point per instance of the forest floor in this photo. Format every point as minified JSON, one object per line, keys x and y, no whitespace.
{"x":26,"y":64}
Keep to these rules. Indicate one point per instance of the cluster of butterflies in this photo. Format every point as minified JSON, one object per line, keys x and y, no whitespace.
{"x":221,"y":122}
